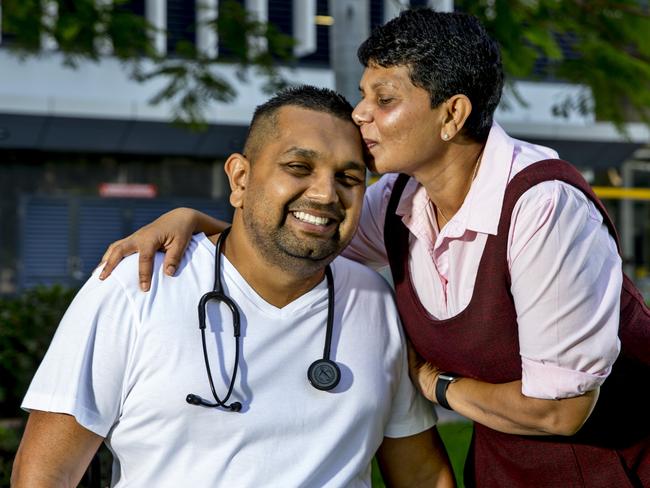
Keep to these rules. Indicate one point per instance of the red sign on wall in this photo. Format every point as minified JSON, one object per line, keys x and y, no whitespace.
{"x":127,"y":190}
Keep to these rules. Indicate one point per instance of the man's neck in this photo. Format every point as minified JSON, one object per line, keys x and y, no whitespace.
{"x":275,"y":285}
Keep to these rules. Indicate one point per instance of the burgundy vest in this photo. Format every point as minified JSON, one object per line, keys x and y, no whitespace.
{"x":613,"y":447}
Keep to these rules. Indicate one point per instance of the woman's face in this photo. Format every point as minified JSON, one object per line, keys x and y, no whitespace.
{"x":398,"y":125}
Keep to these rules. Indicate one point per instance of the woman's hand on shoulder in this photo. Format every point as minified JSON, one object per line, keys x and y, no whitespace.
{"x":170,"y":233}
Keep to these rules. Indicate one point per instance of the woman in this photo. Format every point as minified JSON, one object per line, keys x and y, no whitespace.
{"x":506,"y":269}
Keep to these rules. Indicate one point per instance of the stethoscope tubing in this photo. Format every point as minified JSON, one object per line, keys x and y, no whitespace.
{"x":323,"y":374}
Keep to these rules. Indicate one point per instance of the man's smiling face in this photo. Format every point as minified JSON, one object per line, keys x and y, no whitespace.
{"x":304,"y":190}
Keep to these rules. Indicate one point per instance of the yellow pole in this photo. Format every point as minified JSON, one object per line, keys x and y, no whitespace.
{"x":621,"y":193}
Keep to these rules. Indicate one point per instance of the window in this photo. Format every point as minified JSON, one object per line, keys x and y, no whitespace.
{"x":136,"y":7}
{"x":376,"y":13}
{"x":280,"y":15}
{"x":181,"y":24}
{"x":322,"y":54}
{"x":224,"y":50}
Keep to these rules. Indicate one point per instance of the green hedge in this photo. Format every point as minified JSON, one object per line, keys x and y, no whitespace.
{"x":27,"y":324}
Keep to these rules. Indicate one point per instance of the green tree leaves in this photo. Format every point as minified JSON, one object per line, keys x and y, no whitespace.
{"x":86,"y":30}
{"x":602,"y":44}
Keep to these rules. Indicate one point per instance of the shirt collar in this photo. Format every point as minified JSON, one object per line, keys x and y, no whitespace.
{"x":485,"y":197}
{"x":413,"y":209}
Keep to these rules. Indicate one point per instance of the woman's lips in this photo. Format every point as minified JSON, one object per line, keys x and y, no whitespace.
{"x":370,"y":143}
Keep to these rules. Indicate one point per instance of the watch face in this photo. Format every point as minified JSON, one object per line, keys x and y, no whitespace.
{"x":448,"y":377}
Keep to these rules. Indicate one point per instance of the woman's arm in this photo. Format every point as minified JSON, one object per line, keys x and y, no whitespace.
{"x":566,"y":278}
{"x":171,"y":232}
{"x":566,"y":287}
{"x":503,"y":407}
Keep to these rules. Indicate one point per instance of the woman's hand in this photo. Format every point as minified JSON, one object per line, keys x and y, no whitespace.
{"x":170,"y":233}
{"x":423,"y":375}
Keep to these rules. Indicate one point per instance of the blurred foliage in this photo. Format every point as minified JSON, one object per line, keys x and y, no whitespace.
{"x":9,"y":440}
{"x":27,"y":324}
{"x":601,"y":44}
{"x":82,"y":29}
{"x":86,"y":30}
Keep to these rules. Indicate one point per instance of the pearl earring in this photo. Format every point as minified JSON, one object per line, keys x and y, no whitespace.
{"x":445,"y":137}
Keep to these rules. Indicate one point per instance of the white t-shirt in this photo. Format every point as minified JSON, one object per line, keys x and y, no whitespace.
{"x":122,"y":362}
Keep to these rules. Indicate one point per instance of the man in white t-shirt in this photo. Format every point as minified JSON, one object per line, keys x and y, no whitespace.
{"x":129,"y":368}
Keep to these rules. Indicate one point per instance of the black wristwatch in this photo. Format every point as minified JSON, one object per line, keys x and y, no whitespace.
{"x":444,"y":380}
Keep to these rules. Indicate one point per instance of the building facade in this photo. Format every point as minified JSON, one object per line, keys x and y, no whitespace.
{"x":85,"y":157}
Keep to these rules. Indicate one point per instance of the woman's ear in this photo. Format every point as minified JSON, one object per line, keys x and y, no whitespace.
{"x":457,"y":111}
{"x":237,"y":168}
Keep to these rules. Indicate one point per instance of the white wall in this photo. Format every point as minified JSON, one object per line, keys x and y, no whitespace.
{"x":43,"y":86}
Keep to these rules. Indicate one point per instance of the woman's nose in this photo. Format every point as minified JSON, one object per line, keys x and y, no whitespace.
{"x":360,"y":114}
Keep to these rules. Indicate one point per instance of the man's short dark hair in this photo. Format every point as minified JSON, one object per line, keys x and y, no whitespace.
{"x":447,"y":54}
{"x":303,"y":96}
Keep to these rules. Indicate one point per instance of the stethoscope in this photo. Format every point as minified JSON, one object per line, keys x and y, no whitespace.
{"x":323,"y":374}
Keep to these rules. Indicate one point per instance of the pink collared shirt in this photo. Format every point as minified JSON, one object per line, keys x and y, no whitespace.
{"x":565,"y":269}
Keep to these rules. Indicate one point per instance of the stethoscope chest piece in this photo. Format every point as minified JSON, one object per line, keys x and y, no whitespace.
{"x":324,"y":374}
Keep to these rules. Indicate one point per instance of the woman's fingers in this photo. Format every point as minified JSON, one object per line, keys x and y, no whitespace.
{"x":114,"y":254}
{"x":173,"y":255}
{"x":423,"y":374}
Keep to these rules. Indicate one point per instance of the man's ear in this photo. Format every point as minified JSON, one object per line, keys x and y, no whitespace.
{"x":237,"y":168}
{"x":457,"y":110}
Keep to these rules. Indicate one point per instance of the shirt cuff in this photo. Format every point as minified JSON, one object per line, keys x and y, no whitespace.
{"x":551,"y":382}
{"x":54,"y":404}
{"x":420,"y":418}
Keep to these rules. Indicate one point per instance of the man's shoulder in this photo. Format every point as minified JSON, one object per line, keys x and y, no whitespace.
{"x":125,"y":274}
{"x":355,"y":274}
{"x":196,"y":255}
{"x":345,"y":265}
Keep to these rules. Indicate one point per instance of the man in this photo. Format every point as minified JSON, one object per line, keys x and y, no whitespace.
{"x":124,"y":365}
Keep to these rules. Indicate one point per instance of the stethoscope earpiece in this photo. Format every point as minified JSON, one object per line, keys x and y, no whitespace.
{"x":323,"y":374}
{"x":193,"y":399}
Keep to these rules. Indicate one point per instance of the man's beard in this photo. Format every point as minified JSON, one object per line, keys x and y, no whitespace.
{"x":279,"y":246}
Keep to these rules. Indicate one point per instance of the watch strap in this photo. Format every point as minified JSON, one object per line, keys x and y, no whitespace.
{"x":442,"y":383}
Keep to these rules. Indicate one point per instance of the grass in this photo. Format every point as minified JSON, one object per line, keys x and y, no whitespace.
{"x":456,"y":437}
